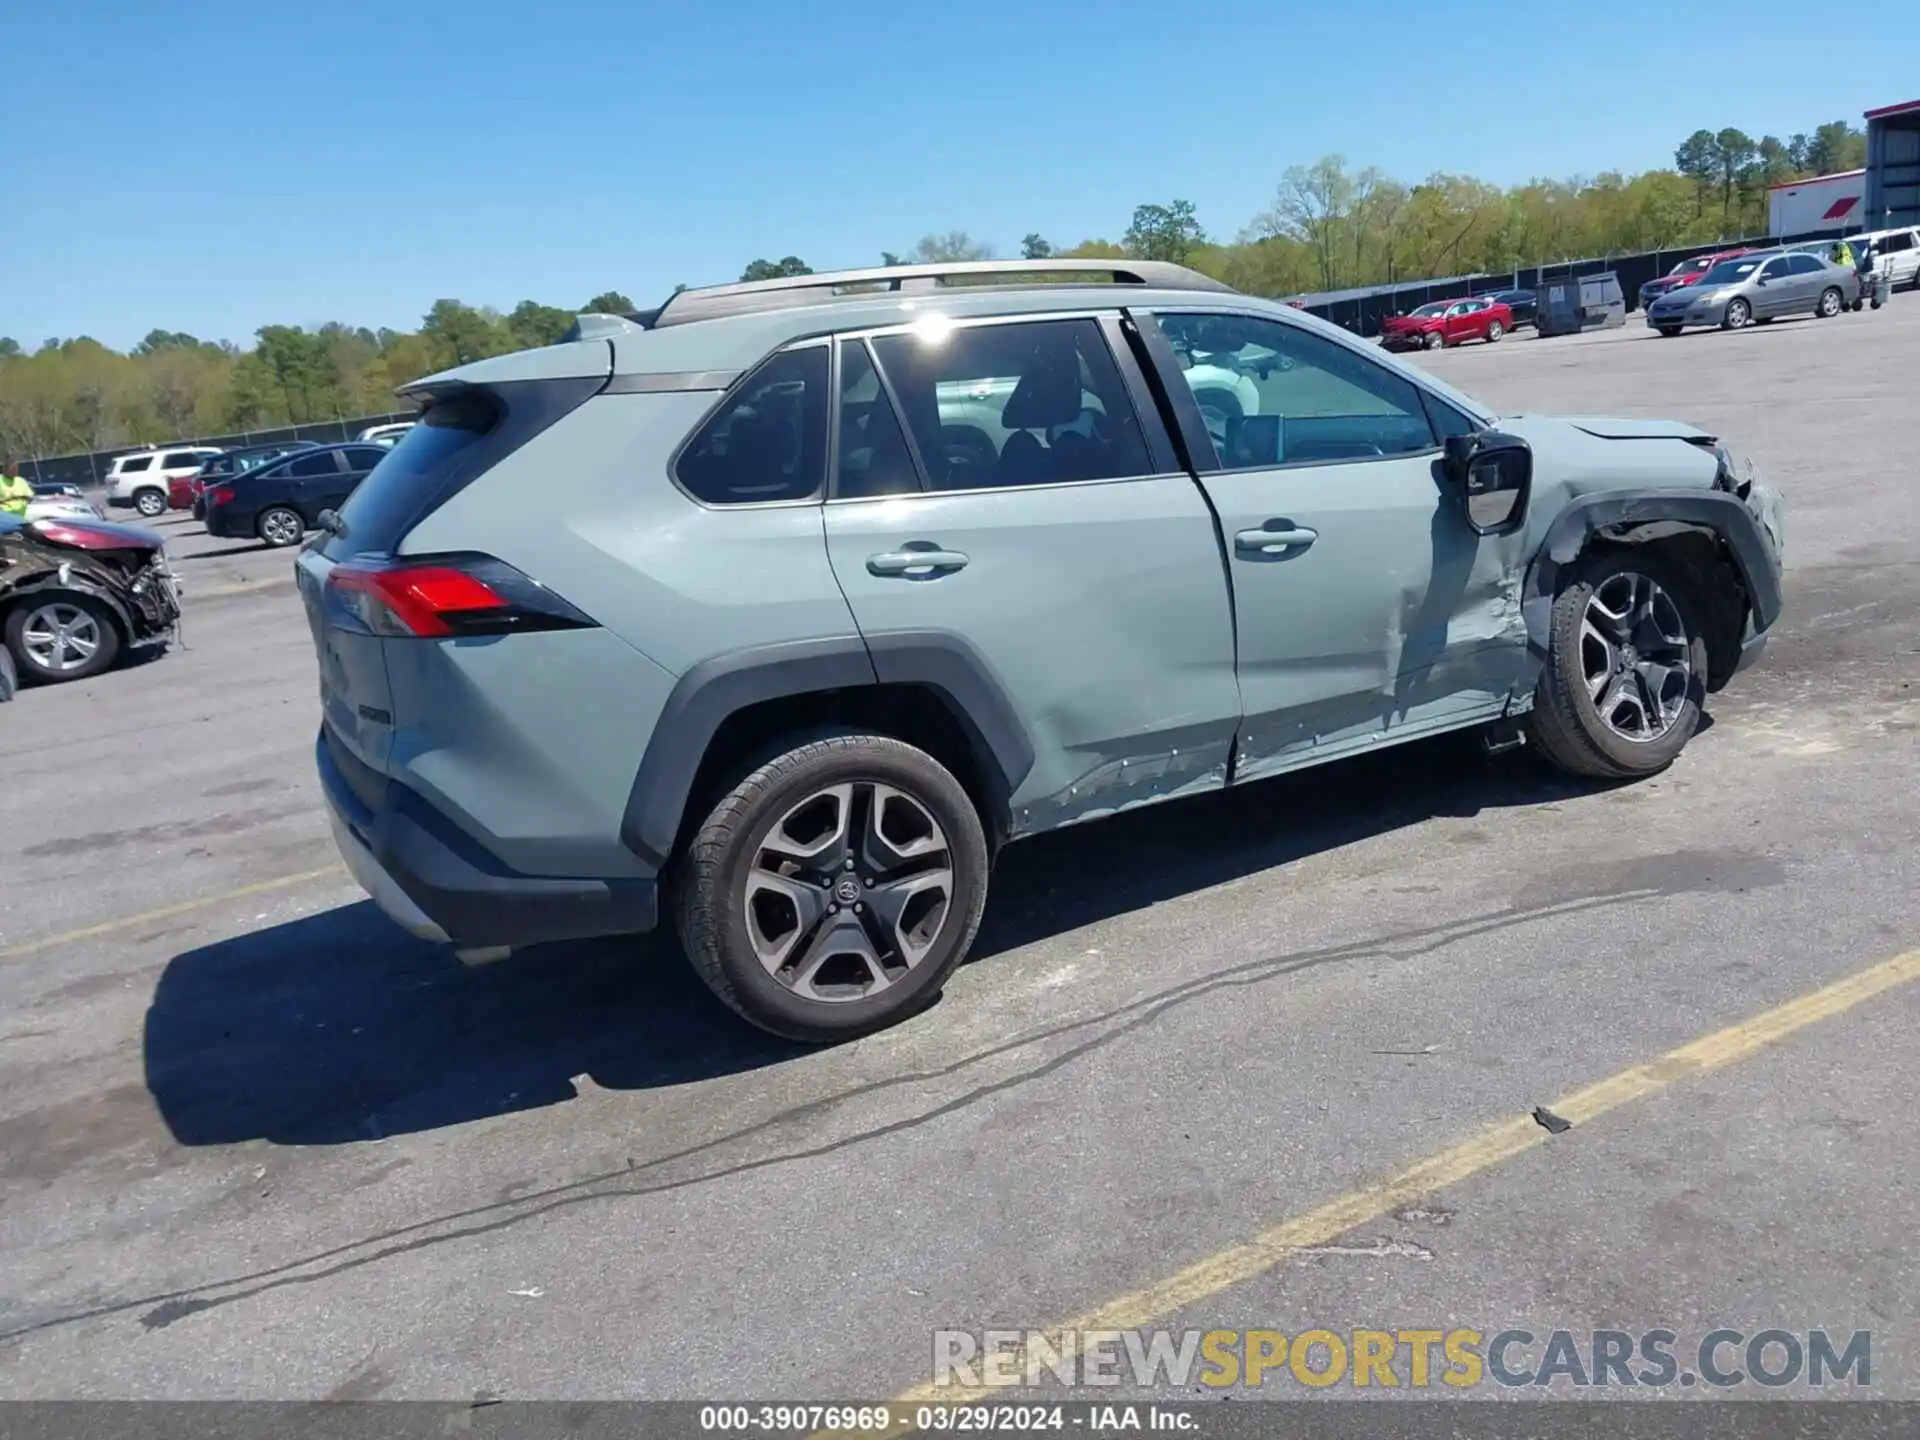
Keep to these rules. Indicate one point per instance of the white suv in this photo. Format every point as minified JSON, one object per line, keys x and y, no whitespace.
{"x":148,"y":479}
{"x":1896,"y":255}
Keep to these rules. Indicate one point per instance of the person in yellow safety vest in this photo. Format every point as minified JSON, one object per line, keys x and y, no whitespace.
{"x":1843,"y":255}
{"x":15,"y":493}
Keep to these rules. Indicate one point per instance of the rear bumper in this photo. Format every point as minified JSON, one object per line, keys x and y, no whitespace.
{"x":436,"y":881}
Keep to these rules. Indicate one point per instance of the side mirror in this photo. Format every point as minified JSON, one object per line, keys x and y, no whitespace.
{"x":1493,"y":473}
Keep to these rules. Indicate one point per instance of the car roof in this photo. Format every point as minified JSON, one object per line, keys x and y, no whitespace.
{"x":707,"y":351}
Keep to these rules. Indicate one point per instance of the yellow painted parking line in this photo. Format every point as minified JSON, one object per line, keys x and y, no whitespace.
{"x":1497,"y":1143}
{"x":164,"y":912}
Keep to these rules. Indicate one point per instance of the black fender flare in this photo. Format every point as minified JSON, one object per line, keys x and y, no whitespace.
{"x":710,"y":692}
{"x":1716,"y":512}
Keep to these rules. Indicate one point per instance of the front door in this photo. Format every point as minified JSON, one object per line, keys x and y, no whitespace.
{"x":1364,"y":603}
{"x":313,"y":480}
{"x":1028,"y":518}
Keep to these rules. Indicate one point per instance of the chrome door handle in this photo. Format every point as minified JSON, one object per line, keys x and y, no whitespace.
{"x":915,"y":564}
{"x":1274,"y":542}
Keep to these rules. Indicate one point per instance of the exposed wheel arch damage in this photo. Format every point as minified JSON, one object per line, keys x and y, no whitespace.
{"x":1713,"y":537}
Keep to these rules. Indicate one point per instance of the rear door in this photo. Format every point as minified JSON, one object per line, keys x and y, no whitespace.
{"x":1780,"y":291}
{"x":1364,"y":603}
{"x":358,"y":461}
{"x":316,"y":482}
{"x":1006,"y":490}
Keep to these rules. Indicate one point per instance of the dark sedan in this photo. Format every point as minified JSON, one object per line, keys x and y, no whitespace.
{"x":279,"y":502}
{"x":238,"y":462}
{"x":1524,"y":304}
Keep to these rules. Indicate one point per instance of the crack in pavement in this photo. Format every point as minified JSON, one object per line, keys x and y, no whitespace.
{"x":170,"y":1306}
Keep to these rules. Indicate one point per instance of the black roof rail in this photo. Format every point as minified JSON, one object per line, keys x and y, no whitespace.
{"x":790,"y":291}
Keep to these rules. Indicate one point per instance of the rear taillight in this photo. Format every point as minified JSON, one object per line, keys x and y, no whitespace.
{"x":219,"y":495}
{"x":444,"y":596}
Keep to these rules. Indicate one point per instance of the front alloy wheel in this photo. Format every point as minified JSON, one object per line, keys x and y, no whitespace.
{"x":1739,"y":312}
{"x":62,"y":638}
{"x":1635,"y":657}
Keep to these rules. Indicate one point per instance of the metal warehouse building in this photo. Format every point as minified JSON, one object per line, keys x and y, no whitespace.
{"x":1893,"y":166}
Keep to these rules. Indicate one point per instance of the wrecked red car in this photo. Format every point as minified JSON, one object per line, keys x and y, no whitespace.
{"x":75,"y":594}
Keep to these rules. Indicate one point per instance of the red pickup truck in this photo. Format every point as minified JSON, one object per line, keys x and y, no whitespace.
{"x":1447,"y":322}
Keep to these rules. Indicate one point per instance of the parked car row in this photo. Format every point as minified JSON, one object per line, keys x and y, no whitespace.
{"x":157,"y":479}
{"x":1756,"y":287}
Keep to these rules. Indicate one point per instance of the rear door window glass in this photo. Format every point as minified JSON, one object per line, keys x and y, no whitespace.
{"x":768,"y":439}
{"x":873,"y":456}
{"x":1015,"y":403}
{"x":1806,"y":265}
{"x":307,"y":466}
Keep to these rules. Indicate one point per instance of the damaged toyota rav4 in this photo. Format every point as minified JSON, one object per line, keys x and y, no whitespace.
{"x":840,"y":583}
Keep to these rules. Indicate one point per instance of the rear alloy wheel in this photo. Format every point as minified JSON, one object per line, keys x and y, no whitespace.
{"x":63,"y":637}
{"x":1620,"y":693}
{"x":1830,"y":303}
{"x":832,"y":891}
{"x":1739,"y":312}
{"x":1495,"y":331}
{"x":1433,"y":340}
{"x":150,"y":503}
{"x":281,"y":526}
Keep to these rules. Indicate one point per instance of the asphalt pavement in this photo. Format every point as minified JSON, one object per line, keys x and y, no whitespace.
{"x":255,"y":1142}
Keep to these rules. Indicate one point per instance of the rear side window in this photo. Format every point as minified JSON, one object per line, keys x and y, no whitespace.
{"x":768,"y":439}
{"x":873,"y":455}
{"x":135,"y":463}
{"x":308,"y":466}
{"x":1806,"y":265}
{"x":1019,"y":403}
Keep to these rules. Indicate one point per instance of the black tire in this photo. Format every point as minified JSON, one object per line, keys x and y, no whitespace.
{"x":1831,"y":303}
{"x":150,"y":503}
{"x":1565,"y":723}
{"x":1432,"y":340}
{"x":106,"y":630}
{"x":1494,"y":331}
{"x":1668,"y":330}
{"x":1764,"y":320}
{"x":1738,"y":313}
{"x":711,"y":896}
{"x":280,"y":526}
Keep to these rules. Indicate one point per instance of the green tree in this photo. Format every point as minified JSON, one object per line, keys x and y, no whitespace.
{"x":608,"y":302}
{"x":532,"y":324}
{"x":954,"y":246}
{"x":1164,"y":232}
{"x":776,"y":269}
{"x":1734,"y":152}
{"x":1035,"y":247}
{"x":9,"y":347}
{"x":1836,"y":146}
{"x":463,"y":334}
{"x":1698,"y":158}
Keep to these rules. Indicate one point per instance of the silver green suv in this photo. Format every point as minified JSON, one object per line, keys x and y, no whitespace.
{"x":786,"y":605}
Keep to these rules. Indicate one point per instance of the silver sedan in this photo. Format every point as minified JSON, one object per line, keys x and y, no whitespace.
{"x":1755,"y":289}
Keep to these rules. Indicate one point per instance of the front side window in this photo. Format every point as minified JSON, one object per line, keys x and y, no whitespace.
{"x":1277,"y":394}
{"x":181,"y":460}
{"x":1777,"y":268}
{"x":365,"y":457}
{"x":1019,"y":403}
{"x":768,"y":439}
{"x":1901,"y":240}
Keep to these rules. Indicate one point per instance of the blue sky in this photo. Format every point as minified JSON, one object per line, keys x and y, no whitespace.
{"x":214,"y":167}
